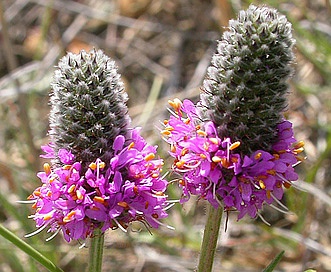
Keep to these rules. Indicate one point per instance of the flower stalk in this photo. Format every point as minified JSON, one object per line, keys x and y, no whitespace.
{"x":96,"y":251}
{"x":210,"y":238}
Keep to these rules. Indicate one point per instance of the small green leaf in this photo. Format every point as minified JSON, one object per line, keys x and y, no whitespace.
{"x":274,"y":262}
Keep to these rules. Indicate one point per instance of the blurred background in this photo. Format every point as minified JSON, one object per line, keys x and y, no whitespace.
{"x":162,"y":49}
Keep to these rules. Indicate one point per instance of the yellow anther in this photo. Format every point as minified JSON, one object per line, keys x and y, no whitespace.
{"x":149,"y":157}
{"x":71,"y":188}
{"x":37,"y":193}
{"x":93,"y":166}
{"x":201,"y":133}
{"x":101,"y":165}
{"x":225,"y":163}
{"x":67,"y":218}
{"x":176,"y":104}
{"x":165,"y":122}
{"x":165,"y":132}
{"x":155,"y":175}
{"x":159,"y":193}
{"x":216,"y":159}
{"x":184,"y":151}
{"x":214,"y":141}
{"x":299,"y":144}
{"x":47,"y":168}
{"x":180,"y":164}
{"x":172,"y":148}
{"x":262,"y":185}
{"x":203,"y":156}
{"x":234,"y":145}
{"x":131,"y":145}
{"x":268,"y":194}
{"x":258,"y":155}
{"x":272,"y":172}
{"x":48,"y":216}
{"x":66,"y":167}
{"x":99,"y":199}
{"x":169,"y":128}
{"x":49,"y":194}
{"x":276,"y":156}
{"x":123,"y":204}
{"x":206,"y":146}
{"x":298,"y":150}
{"x":187,"y":121}
{"x":79,"y":195}
{"x":197,"y":127}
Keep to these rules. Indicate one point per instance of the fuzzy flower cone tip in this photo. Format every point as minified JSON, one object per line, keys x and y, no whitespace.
{"x":102,"y":174}
{"x":235,"y":148}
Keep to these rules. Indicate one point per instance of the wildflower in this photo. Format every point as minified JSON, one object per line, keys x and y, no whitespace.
{"x":215,"y":170}
{"x":102,"y":174}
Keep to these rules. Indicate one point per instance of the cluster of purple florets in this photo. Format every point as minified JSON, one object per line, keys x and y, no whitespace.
{"x":76,"y":199}
{"x":211,"y":168}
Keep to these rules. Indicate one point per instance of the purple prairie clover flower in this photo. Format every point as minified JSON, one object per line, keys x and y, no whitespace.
{"x":106,"y":195}
{"x":211,"y":167}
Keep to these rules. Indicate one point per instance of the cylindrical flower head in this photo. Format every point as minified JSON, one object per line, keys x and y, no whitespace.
{"x":103,"y":174}
{"x":88,"y":106}
{"x":245,"y":87}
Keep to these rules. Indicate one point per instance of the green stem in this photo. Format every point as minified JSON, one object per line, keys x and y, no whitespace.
{"x":96,"y":252}
{"x":210,"y":237}
{"x":28,"y":249}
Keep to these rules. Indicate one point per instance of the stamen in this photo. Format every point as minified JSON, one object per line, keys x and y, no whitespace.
{"x":131,"y":145}
{"x":278,"y":209}
{"x":149,"y":157}
{"x":258,"y":155}
{"x":298,"y":150}
{"x":216,"y":159}
{"x":279,"y":203}
{"x":201,"y":133}
{"x":299,"y":145}
{"x":79,"y":195}
{"x":161,"y":224}
{"x":176,"y":104}
{"x":214,"y":141}
{"x":234,"y":145}
{"x":165,"y":132}
{"x":66,"y":167}
{"x":184,"y":151}
{"x":37,"y":231}
{"x":32,"y":201}
{"x":93,"y":166}
{"x":180,"y":164}
{"x":264,"y":221}
{"x":99,"y":199}
{"x":53,"y":235}
{"x":262,"y":185}
{"x":47,"y":168}
{"x":119,"y":225}
{"x":67,"y":218}
{"x":123,"y":204}
{"x":71,"y":188}
{"x":203,"y":156}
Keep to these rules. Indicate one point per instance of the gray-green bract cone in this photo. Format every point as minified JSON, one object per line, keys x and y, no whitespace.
{"x":88,"y":106}
{"x":244,"y":92}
